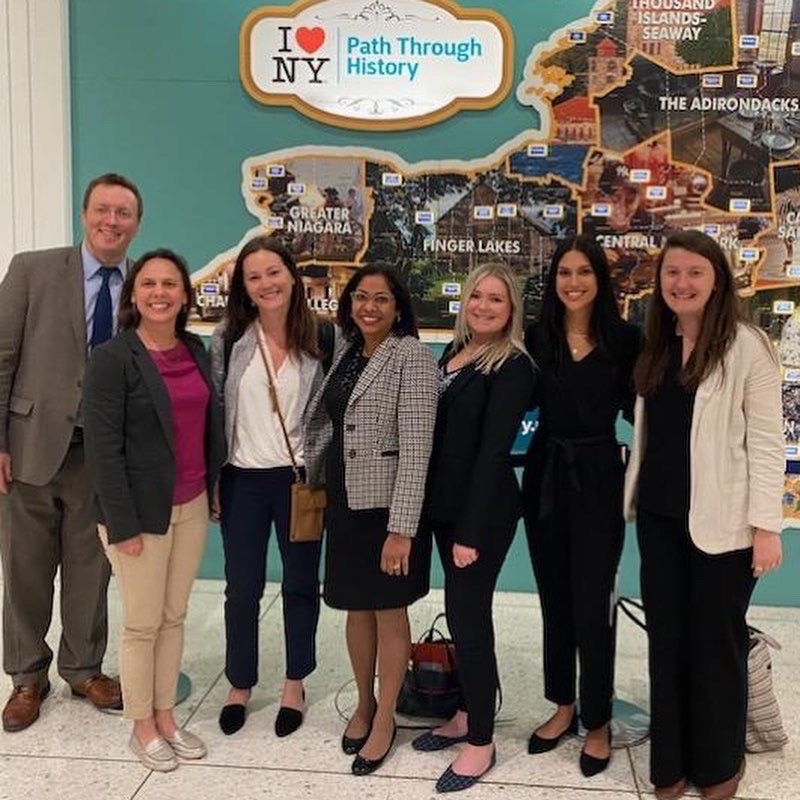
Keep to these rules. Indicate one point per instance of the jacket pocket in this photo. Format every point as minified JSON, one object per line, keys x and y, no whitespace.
{"x":20,"y":405}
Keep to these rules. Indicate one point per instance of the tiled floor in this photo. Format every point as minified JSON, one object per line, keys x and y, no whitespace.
{"x":76,"y":753}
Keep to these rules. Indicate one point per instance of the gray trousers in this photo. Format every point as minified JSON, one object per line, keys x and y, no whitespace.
{"x":43,"y":528}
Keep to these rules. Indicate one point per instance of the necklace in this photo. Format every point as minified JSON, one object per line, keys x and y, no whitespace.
{"x":583,"y":337}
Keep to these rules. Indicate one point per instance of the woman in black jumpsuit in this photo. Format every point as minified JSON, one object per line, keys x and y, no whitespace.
{"x":572,"y":490}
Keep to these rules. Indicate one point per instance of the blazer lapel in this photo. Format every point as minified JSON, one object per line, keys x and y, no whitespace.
{"x":74,"y":299}
{"x":461,"y":380}
{"x":154,"y":382}
{"x":374,"y":366}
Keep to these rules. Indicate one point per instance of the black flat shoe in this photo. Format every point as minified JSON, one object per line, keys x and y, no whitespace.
{"x":232,"y":718}
{"x":366,"y":766}
{"x":350,"y":744}
{"x":538,"y":744}
{"x":287,"y":721}
{"x":453,"y":782}
{"x":430,"y":742}
{"x":591,"y":765}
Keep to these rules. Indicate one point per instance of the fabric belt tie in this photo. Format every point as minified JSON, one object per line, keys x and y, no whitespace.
{"x":558,"y":450}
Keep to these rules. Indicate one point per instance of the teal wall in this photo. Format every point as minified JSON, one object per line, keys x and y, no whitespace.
{"x":156,"y":95}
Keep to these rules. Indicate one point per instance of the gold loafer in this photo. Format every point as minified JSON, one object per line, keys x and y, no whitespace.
{"x":156,"y":754}
{"x":186,"y":745}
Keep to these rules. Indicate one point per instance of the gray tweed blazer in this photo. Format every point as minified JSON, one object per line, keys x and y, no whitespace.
{"x":388,"y":432}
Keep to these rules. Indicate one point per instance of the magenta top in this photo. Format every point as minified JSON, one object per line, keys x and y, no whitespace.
{"x":189,"y":395}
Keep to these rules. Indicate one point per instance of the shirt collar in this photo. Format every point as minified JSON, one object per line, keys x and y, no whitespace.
{"x":91,"y":266}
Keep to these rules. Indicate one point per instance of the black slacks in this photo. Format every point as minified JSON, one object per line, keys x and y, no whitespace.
{"x":468,"y":595}
{"x":252,"y":499}
{"x":695,"y":604}
{"x":575,"y":553}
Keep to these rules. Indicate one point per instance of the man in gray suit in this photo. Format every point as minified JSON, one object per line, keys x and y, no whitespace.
{"x":55,"y":305}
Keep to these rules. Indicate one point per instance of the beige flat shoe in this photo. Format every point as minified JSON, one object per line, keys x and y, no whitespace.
{"x":156,"y":754}
{"x":186,"y":745}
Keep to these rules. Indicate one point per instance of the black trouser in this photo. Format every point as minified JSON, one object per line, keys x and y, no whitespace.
{"x":695,"y":604}
{"x":575,"y":553}
{"x":468,"y":594}
{"x":251,"y":500}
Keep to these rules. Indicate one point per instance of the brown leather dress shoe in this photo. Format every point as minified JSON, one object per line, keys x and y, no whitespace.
{"x":22,"y":708}
{"x":725,"y":790}
{"x":102,"y":691}
{"x":673,"y":791}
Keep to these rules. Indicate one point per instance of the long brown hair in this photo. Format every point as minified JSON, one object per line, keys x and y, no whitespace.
{"x":301,"y":326}
{"x":721,"y":315}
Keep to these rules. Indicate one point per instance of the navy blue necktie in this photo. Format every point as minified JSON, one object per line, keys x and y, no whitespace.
{"x":103,"y":320}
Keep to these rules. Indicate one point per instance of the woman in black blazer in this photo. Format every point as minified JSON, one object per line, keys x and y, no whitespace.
{"x":473,"y":500}
{"x":154,"y":446}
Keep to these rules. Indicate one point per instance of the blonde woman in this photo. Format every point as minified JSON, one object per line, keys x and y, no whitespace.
{"x":486,"y":382}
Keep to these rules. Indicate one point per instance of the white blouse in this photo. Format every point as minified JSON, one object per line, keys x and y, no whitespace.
{"x":258,"y":440}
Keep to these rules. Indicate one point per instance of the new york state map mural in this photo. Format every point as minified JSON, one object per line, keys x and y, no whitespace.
{"x":653,"y":115}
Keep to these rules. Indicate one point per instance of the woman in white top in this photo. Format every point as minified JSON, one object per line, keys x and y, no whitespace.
{"x":705,"y":479}
{"x":266,"y":317}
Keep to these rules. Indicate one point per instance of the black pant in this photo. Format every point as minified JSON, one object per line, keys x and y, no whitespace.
{"x":695,"y":604}
{"x":575,"y":553}
{"x":468,"y":595}
{"x":252,"y":499}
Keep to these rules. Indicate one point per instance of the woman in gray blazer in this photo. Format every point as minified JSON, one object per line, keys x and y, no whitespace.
{"x":368,"y":437}
{"x":154,"y":447}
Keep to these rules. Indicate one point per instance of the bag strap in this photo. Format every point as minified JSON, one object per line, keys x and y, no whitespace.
{"x":755,"y":633}
{"x":273,"y":396}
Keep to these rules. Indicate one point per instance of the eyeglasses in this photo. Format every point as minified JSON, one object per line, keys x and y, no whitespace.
{"x":380,"y":300}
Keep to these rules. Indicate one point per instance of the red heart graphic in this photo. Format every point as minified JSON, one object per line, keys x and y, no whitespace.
{"x":310,"y":39}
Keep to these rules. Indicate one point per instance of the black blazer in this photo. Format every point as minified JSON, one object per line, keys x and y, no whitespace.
{"x":471,"y":482}
{"x":129,"y":439}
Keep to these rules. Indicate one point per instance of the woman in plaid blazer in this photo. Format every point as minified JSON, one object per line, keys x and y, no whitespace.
{"x":368,"y":437}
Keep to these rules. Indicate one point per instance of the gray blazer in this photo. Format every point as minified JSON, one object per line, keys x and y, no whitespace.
{"x":388,"y":432}
{"x":42,"y":359}
{"x":129,"y":436}
{"x":242,"y":352}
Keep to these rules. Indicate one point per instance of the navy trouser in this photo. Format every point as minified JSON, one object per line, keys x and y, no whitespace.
{"x":252,"y":500}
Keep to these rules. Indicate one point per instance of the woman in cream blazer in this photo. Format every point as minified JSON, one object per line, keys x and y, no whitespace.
{"x":705,"y":480}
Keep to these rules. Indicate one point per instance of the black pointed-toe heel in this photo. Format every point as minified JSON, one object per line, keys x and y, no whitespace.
{"x":538,"y":744}
{"x":288,"y":719}
{"x":366,"y":766}
{"x":591,"y":765}
{"x":232,"y":717}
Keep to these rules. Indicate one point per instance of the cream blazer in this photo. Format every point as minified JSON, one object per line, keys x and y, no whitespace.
{"x":735,"y":449}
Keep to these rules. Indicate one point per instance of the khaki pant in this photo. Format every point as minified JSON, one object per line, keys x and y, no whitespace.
{"x":154,"y":587}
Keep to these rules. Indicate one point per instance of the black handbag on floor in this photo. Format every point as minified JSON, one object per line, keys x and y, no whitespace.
{"x":431,"y":687}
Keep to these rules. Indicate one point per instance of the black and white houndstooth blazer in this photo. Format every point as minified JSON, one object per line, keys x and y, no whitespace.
{"x":388,"y":432}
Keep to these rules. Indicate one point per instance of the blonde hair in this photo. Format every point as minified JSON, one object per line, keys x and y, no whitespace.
{"x":490,"y":357}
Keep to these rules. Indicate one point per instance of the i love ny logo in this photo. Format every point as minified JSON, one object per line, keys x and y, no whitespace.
{"x":290,"y":68}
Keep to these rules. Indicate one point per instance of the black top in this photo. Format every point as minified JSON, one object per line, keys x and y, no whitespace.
{"x":578,"y":406}
{"x":664,"y":474}
{"x":337,"y":395}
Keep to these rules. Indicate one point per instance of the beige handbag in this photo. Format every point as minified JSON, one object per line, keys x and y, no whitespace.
{"x":307,"y":509}
{"x":764,"y":725}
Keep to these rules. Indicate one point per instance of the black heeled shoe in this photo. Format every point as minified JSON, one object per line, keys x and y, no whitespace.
{"x":232,"y":717}
{"x":538,"y":744}
{"x":591,"y":765}
{"x":366,"y":766}
{"x":288,"y":719}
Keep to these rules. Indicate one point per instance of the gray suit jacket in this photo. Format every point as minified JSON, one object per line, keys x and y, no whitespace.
{"x":388,"y":432}
{"x":42,"y":359}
